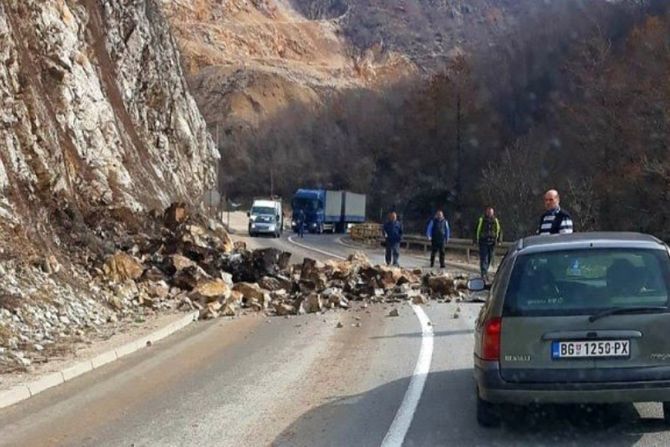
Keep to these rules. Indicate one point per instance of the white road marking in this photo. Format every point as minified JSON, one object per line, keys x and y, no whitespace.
{"x":340,"y":241}
{"x":307,"y":247}
{"x":403,"y":418}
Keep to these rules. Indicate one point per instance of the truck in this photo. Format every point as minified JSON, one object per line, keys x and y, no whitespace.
{"x":326,"y":210}
{"x":266,"y":217}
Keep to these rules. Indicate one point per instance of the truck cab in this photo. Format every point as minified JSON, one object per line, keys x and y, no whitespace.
{"x":311,"y":203}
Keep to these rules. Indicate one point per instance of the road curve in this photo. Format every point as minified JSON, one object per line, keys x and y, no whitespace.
{"x":302,"y":381}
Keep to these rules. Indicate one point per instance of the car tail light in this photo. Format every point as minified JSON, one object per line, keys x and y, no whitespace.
{"x":491,"y":339}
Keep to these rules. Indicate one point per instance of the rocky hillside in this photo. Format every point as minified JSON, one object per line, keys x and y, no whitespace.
{"x":289,"y":80}
{"x":249,"y":61}
{"x":98,"y":135}
{"x":95,"y":110}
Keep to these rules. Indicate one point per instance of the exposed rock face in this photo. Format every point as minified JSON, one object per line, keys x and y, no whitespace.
{"x":97,"y":129}
{"x":95,"y":110}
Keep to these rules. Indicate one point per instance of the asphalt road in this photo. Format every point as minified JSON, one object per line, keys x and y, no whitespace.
{"x":302,"y":381}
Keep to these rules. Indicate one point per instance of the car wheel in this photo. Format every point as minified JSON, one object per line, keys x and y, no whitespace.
{"x":488,"y":413}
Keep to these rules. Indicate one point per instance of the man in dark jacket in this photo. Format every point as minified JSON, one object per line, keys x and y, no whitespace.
{"x":300,"y":223}
{"x":393,"y":236}
{"x":438,"y":233}
{"x":488,"y":233}
{"x":555,"y":220}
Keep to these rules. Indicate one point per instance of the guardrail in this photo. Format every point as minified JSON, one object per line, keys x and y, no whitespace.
{"x":466,"y":245}
{"x":371,"y":233}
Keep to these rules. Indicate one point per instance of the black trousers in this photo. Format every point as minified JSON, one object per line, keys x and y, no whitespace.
{"x":434,"y":249}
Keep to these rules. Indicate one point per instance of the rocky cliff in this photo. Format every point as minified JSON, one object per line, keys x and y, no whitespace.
{"x":97,"y":131}
{"x":95,"y":110}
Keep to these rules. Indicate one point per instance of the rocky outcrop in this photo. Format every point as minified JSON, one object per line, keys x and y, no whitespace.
{"x":95,"y":109}
{"x":97,"y":130}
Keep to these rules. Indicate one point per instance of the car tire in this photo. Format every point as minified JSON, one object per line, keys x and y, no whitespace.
{"x":666,"y":412}
{"x":488,"y":413}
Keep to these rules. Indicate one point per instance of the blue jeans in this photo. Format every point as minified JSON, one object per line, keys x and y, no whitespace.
{"x":486,"y":253}
{"x":392,"y":253}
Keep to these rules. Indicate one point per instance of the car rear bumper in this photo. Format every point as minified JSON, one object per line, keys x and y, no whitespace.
{"x":493,"y":388}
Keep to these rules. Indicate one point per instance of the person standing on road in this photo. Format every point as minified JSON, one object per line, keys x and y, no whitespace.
{"x":438,"y":233}
{"x":488,"y":234}
{"x":300,"y":223}
{"x":393,"y":236}
{"x":555,"y":220}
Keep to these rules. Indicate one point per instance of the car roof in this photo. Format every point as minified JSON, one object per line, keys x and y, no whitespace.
{"x":600,"y":239}
{"x":267,"y":203}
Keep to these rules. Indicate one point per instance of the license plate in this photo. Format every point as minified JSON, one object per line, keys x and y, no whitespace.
{"x":590,"y":349}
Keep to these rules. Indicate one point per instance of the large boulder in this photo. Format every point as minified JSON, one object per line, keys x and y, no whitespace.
{"x":188,"y":278}
{"x":175,"y":215}
{"x":442,"y":285}
{"x":250,"y":291}
{"x":157,"y":289}
{"x":282,"y":309}
{"x":270,"y":261}
{"x":121,"y":267}
{"x":387,"y":277}
{"x":313,"y":303}
{"x":275,"y":283}
{"x":247,"y":266}
{"x":212,"y":290}
{"x":311,"y":267}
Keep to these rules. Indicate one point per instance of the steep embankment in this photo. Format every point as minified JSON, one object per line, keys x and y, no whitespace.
{"x":97,"y":129}
{"x":95,"y":109}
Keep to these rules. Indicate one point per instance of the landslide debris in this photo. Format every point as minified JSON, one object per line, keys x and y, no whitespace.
{"x":181,"y":261}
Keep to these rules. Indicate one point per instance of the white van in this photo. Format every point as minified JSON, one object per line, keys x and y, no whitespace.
{"x":266,"y":217}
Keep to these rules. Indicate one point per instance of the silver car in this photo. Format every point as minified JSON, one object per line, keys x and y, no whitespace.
{"x":580,"y":318}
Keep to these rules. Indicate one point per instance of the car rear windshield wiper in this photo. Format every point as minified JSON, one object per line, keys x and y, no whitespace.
{"x":627,"y":310}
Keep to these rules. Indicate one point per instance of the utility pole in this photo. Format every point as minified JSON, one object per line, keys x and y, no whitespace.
{"x":272,"y":182}
{"x":459,"y":151}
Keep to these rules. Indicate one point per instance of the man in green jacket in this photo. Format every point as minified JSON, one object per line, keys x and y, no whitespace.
{"x":488,"y":233}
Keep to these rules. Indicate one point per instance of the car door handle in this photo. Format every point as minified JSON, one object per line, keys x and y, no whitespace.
{"x":585,"y":335}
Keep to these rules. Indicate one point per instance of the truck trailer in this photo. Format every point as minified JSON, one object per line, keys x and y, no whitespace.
{"x":326,"y":210}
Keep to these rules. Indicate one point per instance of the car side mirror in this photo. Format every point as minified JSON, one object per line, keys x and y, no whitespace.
{"x":476,"y":284}
{"x":248,"y":214}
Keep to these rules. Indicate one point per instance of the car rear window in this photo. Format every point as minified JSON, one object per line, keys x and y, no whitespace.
{"x":574,"y":282}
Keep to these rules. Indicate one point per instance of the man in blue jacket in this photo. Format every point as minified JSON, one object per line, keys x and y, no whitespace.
{"x":393,"y":236}
{"x":438,"y":233}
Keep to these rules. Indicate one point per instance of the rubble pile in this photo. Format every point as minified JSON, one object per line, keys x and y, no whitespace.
{"x":262,"y":281}
{"x":111,"y":269}
{"x":180,"y":261}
